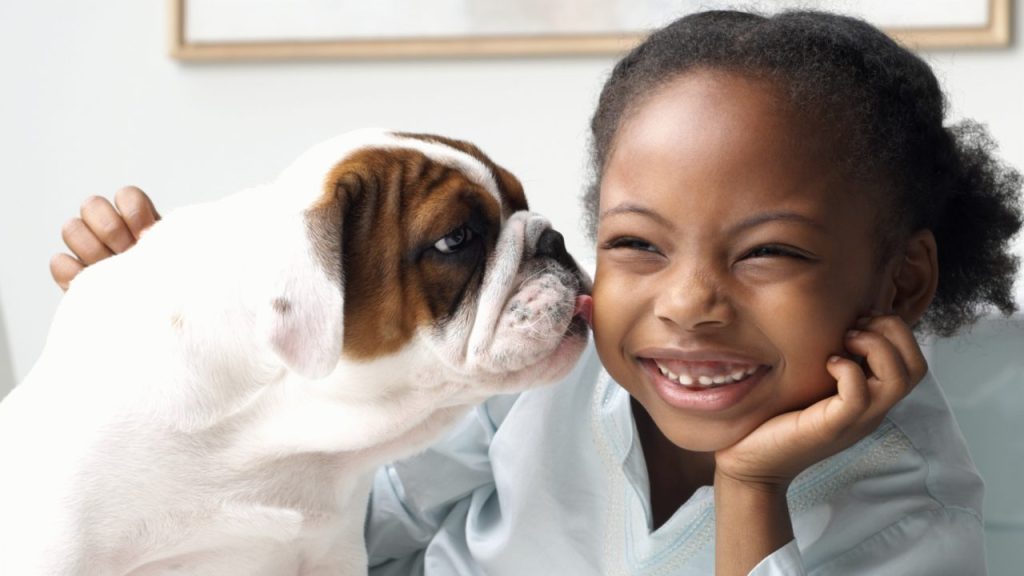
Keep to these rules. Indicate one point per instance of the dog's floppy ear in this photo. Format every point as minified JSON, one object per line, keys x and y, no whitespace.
{"x":307,"y":318}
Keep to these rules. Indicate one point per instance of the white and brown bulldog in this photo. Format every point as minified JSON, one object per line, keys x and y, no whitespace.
{"x":215,"y":400}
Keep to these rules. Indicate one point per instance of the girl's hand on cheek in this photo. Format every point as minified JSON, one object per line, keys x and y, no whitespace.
{"x":751,"y":477}
{"x":774,"y":453}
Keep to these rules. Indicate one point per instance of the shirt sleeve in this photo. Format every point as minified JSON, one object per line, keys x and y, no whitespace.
{"x":784,"y":561}
{"x":938,"y":541}
{"x":944,"y":540}
{"x":411,"y":498}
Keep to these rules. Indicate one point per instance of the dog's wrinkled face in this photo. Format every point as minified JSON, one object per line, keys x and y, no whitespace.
{"x":441,"y":266}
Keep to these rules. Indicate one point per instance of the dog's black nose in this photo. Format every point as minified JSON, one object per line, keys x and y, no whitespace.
{"x":552,"y":244}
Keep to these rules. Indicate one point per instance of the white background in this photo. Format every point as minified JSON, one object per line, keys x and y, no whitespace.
{"x":91,"y":102}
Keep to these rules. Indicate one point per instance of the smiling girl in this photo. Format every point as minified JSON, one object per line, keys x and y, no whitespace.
{"x":776,"y":203}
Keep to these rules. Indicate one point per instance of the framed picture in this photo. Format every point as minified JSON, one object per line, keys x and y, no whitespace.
{"x":275,"y":29}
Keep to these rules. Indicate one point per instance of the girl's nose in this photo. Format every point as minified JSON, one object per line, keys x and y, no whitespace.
{"x":694,"y":300}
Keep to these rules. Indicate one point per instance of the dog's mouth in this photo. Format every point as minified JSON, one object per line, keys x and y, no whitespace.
{"x":577,"y":282}
{"x":548,"y":303}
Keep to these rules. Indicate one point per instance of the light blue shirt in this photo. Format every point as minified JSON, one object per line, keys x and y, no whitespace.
{"x":553,"y":481}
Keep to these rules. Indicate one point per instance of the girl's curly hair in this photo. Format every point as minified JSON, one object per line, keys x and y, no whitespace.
{"x":883,"y":106}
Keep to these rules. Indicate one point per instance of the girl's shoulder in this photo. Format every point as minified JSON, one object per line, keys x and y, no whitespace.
{"x":910,"y":477}
{"x":917,"y":453}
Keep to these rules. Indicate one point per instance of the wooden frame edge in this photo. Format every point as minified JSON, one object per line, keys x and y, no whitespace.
{"x":996,"y":34}
{"x":176,"y":46}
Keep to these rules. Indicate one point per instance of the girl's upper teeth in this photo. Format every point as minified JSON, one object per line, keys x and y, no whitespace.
{"x":708,"y":376}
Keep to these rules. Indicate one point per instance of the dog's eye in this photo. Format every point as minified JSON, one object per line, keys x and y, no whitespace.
{"x":454,"y":240}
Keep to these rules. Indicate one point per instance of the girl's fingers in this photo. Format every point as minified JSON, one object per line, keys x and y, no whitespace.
{"x":889,"y":373}
{"x":900,"y":335}
{"x":136,"y":209}
{"x":63,"y":268}
{"x":83,"y":242}
{"x":102,"y":231}
{"x":852,"y":393}
{"x":106,"y":225}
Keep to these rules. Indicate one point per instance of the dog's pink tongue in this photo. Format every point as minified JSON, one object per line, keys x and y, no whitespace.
{"x":585,"y":308}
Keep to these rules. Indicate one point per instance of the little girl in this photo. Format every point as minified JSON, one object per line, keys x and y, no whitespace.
{"x":775,"y":202}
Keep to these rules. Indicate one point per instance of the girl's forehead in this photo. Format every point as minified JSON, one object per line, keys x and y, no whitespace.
{"x":701,"y":101}
{"x":713,"y":118}
{"x":713,"y":142}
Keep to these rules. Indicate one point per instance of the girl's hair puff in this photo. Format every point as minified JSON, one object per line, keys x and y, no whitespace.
{"x":882,"y":106}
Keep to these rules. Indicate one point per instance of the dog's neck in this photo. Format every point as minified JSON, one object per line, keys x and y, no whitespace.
{"x":302,"y":416}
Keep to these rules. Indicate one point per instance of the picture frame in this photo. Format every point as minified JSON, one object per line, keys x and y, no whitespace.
{"x":210,"y":30}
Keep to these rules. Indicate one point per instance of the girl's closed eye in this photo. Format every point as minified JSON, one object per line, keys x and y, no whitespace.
{"x":778,"y":251}
{"x":633,"y":254}
{"x":775,"y":262}
{"x":630,"y":243}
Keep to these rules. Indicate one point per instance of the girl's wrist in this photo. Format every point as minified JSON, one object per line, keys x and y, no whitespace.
{"x":752,"y":521}
{"x":767,"y":486}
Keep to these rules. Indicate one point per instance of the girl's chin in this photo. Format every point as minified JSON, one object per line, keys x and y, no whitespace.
{"x":707,"y":445}
{"x":702,"y":436}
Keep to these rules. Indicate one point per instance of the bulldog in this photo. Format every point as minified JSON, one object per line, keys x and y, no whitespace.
{"x":215,"y":400}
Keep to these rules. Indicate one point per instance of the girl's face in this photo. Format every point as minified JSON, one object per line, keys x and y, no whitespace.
{"x":733,"y":256}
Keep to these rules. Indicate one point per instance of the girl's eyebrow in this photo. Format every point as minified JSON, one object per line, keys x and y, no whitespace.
{"x":631,"y":208}
{"x":782,"y":215}
{"x":753,"y":221}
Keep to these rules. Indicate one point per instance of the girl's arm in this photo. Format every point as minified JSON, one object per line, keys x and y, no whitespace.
{"x":751,"y":477}
{"x":751,"y":522}
{"x":102,"y":230}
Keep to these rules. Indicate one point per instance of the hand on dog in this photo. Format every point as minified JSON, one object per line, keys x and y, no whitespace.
{"x":102,"y":230}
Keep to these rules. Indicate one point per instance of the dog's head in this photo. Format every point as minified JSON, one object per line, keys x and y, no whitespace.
{"x":420,"y":251}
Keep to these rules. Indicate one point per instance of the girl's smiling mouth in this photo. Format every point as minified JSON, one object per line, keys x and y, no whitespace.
{"x":702,"y":382}
{"x":704,"y":374}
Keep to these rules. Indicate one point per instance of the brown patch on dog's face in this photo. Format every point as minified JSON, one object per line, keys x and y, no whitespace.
{"x":377,"y":232}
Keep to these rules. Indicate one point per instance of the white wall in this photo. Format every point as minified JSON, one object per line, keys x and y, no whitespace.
{"x":90,"y":102}
{"x":6,"y":371}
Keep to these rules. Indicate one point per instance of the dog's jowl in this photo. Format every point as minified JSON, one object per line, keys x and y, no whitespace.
{"x":215,"y":400}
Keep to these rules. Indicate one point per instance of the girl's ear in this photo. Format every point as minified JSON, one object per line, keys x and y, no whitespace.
{"x":915,"y":277}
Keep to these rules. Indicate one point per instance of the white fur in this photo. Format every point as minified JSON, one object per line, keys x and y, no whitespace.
{"x":177,"y":423}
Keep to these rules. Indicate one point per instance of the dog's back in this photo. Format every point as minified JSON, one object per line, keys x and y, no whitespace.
{"x":110,"y":445}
